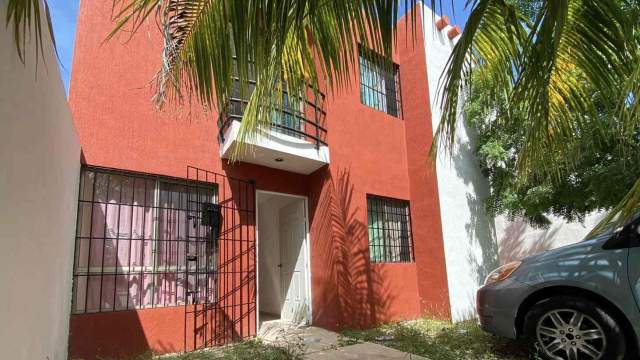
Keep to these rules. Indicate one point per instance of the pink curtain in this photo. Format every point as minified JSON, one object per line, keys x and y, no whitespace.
{"x":131,"y":246}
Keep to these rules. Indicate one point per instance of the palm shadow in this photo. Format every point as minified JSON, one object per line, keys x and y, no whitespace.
{"x":360,"y":298}
{"x":482,"y":251}
{"x":514,"y":245}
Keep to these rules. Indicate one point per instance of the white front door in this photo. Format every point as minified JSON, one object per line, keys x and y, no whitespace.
{"x":293,"y":257}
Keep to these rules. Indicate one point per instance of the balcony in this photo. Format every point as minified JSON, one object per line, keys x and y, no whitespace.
{"x":295,"y":141}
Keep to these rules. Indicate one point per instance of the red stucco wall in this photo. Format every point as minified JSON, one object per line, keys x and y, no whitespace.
{"x":425,"y":204}
{"x":371,"y":153}
{"x":375,"y":153}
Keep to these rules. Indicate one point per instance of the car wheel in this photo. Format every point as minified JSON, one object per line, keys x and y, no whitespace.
{"x":570,"y":328}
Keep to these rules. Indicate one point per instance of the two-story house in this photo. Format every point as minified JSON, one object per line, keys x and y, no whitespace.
{"x":334,"y":216}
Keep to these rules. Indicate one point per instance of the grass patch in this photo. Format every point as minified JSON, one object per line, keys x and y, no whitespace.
{"x":246,"y":350}
{"x":439,"y":340}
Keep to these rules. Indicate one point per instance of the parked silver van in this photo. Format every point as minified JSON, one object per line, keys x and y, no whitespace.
{"x":576,"y":302}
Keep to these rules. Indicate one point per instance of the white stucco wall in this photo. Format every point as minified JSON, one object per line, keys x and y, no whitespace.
{"x":475,"y":243}
{"x":39,"y":168}
{"x":471,"y":250}
{"x":517,"y":239}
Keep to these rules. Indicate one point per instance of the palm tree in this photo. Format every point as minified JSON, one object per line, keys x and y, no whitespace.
{"x":213,"y":48}
{"x":547,"y":62}
{"x":260,"y":48}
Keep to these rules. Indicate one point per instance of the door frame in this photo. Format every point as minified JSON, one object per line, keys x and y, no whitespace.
{"x":305,"y":244}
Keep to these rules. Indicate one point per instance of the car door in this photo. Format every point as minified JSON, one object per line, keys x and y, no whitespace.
{"x":633,"y":262}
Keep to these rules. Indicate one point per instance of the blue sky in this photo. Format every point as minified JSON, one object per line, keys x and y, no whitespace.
{"x":64,"y":15}
{"x":447,"y":7}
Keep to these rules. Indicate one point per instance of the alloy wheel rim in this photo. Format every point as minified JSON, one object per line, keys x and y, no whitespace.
{"x":568,"y":334}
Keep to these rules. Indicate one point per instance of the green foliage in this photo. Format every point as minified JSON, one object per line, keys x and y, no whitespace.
{"x":439,"y":340}
{"x":603,"y":173}
{"x":557,"y":131}
{"x":560,"y":82}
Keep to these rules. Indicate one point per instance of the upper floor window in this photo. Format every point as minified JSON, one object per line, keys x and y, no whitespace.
{"x":379,"y":83}
{"x":389,"y":230}
{"x":299,"y":115}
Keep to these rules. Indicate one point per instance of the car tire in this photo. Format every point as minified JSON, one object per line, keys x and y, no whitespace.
{"x":551,"y":332}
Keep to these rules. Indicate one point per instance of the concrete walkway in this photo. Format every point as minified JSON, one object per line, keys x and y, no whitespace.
{"x":322,"y":344}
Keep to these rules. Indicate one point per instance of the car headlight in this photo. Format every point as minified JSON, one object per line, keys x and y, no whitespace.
{"x":502,"y":272}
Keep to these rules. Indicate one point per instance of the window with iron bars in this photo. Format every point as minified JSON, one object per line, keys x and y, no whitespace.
{"x":379,"y":83}
{"x":133,"y":239}
{"x":287,"y":119}
{"x":389,"y":230}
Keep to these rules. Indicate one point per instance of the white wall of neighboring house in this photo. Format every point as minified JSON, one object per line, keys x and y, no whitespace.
{"x":471,"y":250}
{"x":39,"y":169}
{"x":517,"y":239}
{"x":475,"y":243}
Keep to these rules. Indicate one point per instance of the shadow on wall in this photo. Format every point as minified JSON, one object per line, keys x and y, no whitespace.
{"x":98,"y":328}
{"x":518,"y":239}
{"x":360,"y":299}
{"x":516,"y":245}
{"x":482,"y":248}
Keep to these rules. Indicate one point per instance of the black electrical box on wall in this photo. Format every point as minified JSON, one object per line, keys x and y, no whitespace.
{"x":212,"y":216}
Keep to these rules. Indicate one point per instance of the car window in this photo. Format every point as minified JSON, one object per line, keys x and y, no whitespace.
{"x":622,"y":236}
{"x":634,"y":234}
{"x":611,"y":225}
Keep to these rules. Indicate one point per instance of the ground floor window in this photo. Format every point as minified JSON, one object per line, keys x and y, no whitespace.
{"x":141,"y":241}
{"x":389,"y":230}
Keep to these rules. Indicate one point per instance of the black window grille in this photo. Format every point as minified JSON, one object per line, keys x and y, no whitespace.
{"x":380,"y":83}
{"x":132,"y":242}
{"x":297,"y":115}
{"x":389,"y":230}
{"x":289,"y":119}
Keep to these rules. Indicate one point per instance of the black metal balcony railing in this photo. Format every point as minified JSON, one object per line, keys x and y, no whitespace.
{"x":303,"y":119}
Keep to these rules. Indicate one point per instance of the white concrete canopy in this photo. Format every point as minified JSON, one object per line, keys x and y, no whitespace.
{"x":293,"y":154}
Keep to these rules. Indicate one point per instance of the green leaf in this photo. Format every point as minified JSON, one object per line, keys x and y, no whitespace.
{"x":25,"y":17}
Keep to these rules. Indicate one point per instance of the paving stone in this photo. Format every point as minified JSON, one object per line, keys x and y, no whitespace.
{"x":363,"y":351}
{"x":323,"y":344}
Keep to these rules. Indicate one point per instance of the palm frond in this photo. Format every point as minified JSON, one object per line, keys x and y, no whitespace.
{"x":575,"y":49}
{"x":577,"y":58}
{"x":214,"y":49}
{"x":25,"y":17}
{"x":629,"y":99}
{"x":549,"y":69}
{"x":493,"y":38}
{"x":623,"y":212}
